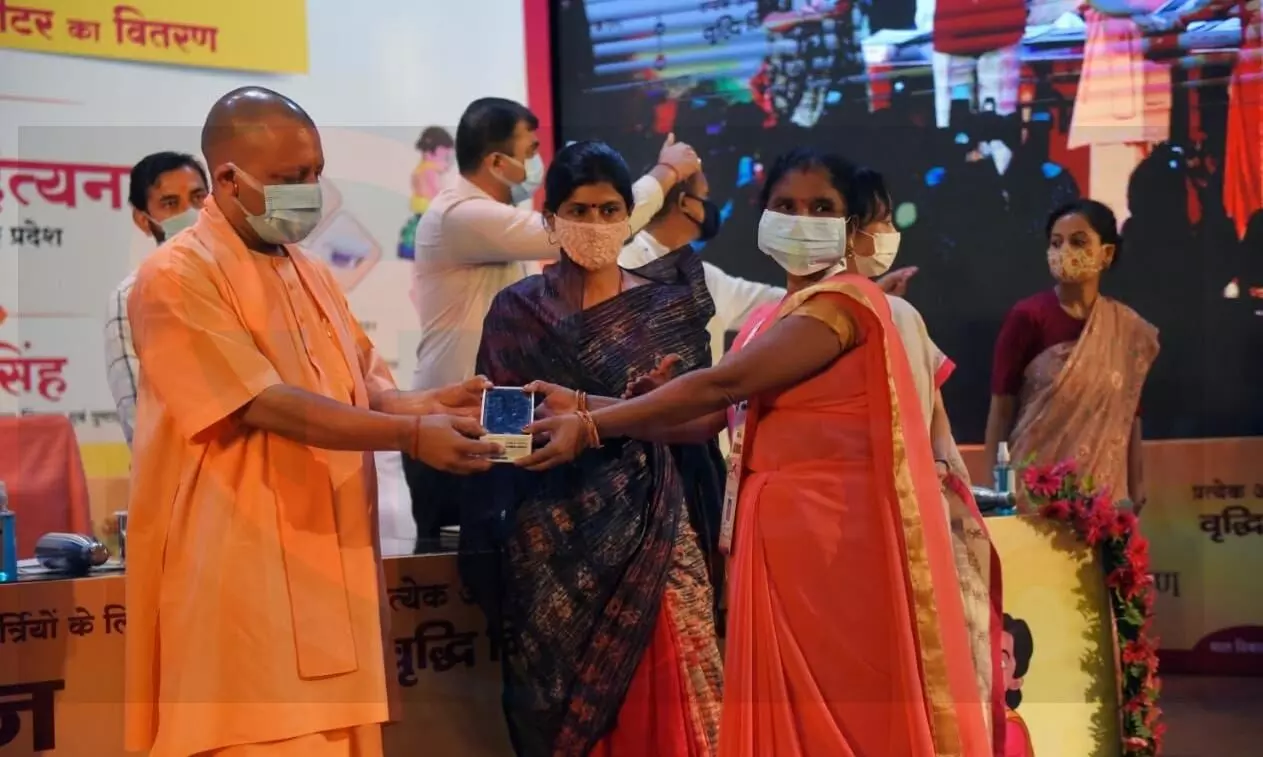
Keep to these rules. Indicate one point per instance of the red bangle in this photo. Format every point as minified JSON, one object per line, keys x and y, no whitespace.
{"x":674,"y":171}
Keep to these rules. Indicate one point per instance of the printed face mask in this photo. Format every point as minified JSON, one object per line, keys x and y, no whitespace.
{"x":802,"y":245}
{"x":591,"y":245}
{"x":521,"y":191}
{"x":1072,"y":265}
{"x":885,"y":248}
{"x":290,"y":211}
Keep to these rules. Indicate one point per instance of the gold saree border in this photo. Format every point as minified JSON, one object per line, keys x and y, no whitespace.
{"x":944,"y":726}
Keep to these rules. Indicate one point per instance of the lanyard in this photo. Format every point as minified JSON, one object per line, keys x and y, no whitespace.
{"x":732,"y":482}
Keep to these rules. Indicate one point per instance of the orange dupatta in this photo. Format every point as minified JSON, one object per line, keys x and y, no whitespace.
{"x":901,"y":445}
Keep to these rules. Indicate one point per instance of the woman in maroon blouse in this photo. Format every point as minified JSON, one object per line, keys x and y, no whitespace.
{"x":1070,"y":363}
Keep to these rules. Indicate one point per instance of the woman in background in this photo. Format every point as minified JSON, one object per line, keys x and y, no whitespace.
{"x":846,"y":631}
{"x":596,"y":572}
{"x":1070,"y":363}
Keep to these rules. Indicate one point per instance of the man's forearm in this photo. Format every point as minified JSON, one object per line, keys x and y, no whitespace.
{"x":327,"y":424}
{"x":397,"y":402}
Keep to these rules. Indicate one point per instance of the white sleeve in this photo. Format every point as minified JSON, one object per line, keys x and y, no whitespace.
{"x":478,"y":230}
{"x":121,"y":365}
{"x":735,"y":298}
{"x":648,"y":194}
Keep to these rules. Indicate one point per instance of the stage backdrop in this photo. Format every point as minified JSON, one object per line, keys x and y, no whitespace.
{"x":71,"y":127}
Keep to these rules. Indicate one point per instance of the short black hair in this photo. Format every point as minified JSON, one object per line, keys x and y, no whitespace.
{"x":867,"y":198}
{"x":146,"y":173}
{"x":583,"y":164}
{"x":486,"y":126}
{"x":840,"y":171}
{"x":434,"y":137}
{"x":1023,"y":650}
{"x":1097,"y":214}
{"x":672,"y":198}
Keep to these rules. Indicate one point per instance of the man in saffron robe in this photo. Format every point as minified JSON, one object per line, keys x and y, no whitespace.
{"x":254,"y":579}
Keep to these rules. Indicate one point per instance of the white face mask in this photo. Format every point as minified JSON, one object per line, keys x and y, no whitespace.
{"x":290,"y":211}
{"x":175,"y":224}
{"x":521,"y":191}
{"x":802,"y":245}
{"x":885,"y":248}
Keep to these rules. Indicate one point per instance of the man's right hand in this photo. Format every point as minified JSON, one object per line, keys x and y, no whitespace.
{"x":452,"y":444}
{"x":681,"y":157}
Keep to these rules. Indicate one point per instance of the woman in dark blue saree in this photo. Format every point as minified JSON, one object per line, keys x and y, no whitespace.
{"x":598,"y":573}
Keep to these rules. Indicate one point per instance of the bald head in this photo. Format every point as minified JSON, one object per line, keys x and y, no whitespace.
{"x":244,"y":113}
{"x":255,"y":139}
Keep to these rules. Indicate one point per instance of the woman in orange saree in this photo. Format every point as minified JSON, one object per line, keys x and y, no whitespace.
{"x":846,"y":631}
{"x":1070,"y":363}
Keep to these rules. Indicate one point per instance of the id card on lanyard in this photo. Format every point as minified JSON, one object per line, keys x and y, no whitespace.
{"x":736,"y":439}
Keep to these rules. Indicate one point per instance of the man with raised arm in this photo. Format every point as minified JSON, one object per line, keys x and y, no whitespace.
{"x":475,"y":239}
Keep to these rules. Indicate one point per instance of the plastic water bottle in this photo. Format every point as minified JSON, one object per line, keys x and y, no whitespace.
{"x":8,"y":539}
{"x":1005,"y":482}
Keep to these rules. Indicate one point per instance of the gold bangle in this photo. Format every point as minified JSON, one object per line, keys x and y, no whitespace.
{"x":580,"y":400}
{"x":589,"y":425}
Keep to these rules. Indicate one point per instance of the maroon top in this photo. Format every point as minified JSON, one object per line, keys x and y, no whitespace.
{"x":1032,"y":326}
{"x":974,"y":27}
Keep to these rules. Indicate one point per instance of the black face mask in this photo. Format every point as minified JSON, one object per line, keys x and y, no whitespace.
{"x":708,"y":227}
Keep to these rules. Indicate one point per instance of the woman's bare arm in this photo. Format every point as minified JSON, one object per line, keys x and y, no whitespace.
{"x":793,"y":349}
{"x":695,"y":431}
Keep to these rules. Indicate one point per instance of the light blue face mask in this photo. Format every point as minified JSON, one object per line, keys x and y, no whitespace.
{"x":177,"y":223}
{"x":523,"y":190}
{"x":290,"y":211}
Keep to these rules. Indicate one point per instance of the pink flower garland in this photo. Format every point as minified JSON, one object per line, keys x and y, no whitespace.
{"x":1061,"y":495}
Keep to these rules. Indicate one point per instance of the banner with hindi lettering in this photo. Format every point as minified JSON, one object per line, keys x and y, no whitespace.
{"x":243,"y":35}
{"x":1205,"y":527}
{"x":1204,"y":523}
{"x":61,"y":666}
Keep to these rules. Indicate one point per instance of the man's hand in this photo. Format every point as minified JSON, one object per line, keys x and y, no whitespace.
{"x":558,"y":400}
{"x":647,"y":382}
{"x":451,"y":444}
{"x":680,"y":157}
{"x":464,"y":399}
{"x":896,"y":282}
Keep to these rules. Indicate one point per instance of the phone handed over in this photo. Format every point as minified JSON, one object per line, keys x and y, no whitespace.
{"x":506,"y":410}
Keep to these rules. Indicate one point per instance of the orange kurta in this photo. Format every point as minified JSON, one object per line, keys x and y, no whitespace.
{"x":254,"y":579}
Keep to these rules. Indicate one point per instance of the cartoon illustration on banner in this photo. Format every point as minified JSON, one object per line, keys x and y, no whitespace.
{"x":1057,"y":649}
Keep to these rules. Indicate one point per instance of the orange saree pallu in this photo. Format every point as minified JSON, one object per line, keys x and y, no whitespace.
{"x":847,"y":633}
{"x":1079,"y":399}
